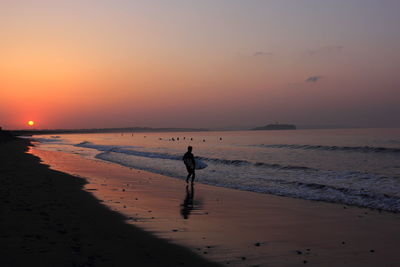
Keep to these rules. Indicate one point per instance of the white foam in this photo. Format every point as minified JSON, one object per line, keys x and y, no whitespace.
{"x":347,"y":187}
{"x":259,"y":170}
{"x":129,"y":150}
{"x":48,"y":140}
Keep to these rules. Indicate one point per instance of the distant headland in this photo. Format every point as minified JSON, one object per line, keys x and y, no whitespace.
{"x":105,"y":130}
{"x":276,"y":126}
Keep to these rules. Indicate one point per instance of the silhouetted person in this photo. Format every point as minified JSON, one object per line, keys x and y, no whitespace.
{"x":190,"y":164}
{"x":188,"y":204}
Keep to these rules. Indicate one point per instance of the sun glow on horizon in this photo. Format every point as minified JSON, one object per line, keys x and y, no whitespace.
{"x":198,"y":64}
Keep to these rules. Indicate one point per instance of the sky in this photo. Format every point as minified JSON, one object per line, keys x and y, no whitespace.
{"x":213,"y":64}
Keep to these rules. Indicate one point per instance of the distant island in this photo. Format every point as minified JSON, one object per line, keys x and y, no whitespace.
{"x":276,"y":126}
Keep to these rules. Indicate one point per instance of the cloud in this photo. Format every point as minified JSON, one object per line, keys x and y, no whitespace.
{"x":325,"y":50}
{"x":262,"y":53}
{"x":313,"y":79}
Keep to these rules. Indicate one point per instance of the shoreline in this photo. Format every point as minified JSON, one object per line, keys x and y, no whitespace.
{"x":237,"y":227}
{"x":48,"y":220}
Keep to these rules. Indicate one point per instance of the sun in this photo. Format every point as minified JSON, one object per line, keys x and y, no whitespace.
{"x":31,"y":123}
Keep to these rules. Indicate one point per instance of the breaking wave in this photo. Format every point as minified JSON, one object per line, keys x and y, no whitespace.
{"x":128,"y":150}
{"x":346,"y":187}
{"x":361,"y":149}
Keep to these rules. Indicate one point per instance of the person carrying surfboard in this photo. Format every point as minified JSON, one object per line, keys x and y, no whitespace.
{"x":190,"y":163}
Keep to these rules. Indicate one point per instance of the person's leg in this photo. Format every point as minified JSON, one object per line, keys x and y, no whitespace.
{"x":193,"y":176}
{"x":189,"y":174}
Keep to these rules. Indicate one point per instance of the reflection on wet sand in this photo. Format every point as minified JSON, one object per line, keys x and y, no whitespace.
{"x":189,"y":203}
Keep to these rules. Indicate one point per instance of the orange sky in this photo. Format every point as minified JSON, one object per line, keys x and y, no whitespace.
{"x":68,"y":64}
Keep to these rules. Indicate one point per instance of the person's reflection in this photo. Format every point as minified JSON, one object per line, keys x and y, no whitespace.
{"x":188,"y":205}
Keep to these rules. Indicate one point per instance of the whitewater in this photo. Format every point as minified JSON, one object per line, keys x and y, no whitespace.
{"x":358,"y":167}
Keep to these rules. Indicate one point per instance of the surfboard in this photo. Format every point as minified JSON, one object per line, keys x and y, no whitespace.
{"x":200,"y":164}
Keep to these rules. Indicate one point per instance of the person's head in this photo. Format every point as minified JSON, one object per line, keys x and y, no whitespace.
{"x":190,"y":148}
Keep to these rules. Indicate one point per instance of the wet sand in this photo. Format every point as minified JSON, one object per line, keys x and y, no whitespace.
{"x":48,"y":220}
{"x":238,"y":228}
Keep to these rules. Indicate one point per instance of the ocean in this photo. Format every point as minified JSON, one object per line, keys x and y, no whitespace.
{"x":359,"y":167}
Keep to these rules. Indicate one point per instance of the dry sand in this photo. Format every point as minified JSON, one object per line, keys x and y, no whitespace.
{"x":240,"y":228}
{"x":48,"y":220}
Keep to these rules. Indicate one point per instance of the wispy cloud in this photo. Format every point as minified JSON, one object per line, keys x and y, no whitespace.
{"x":313,"y":79}
{"x":262,"y":53}
{"x":325,"y":50}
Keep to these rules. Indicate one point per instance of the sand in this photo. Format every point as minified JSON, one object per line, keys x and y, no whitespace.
{"x":48,"y":220}
{"x":57,"y":219}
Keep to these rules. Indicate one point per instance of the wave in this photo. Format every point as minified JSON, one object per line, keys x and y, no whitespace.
{"x":328,"y":186}
{"x":129,"y":151}
{"x":87,"y":144}
{"x":322,"y":192}
{"x":362,"y":149}
{"x":356,"y":197}
{"x":54,"y":139}
{"x":199,"y":160}
{"x":237,"y":162}
{"x":346,"y":187}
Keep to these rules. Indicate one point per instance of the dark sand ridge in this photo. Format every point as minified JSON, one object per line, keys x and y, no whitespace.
{"x":242,"y":228}
{"x":48,"y":220}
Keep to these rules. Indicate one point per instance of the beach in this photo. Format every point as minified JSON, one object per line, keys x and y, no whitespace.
{"x":147,"y":219}
{"x":48,"y":220}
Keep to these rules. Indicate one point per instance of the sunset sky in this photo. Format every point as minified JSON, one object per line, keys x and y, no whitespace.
{"x":183,"y":63}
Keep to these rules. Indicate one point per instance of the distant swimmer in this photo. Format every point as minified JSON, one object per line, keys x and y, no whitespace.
{"x":190,"y":163}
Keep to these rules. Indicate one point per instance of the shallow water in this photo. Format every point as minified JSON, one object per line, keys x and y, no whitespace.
{"x":351,"y":166}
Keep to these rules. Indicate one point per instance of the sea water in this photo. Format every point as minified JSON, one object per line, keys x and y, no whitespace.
{"x":350,"y":166}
